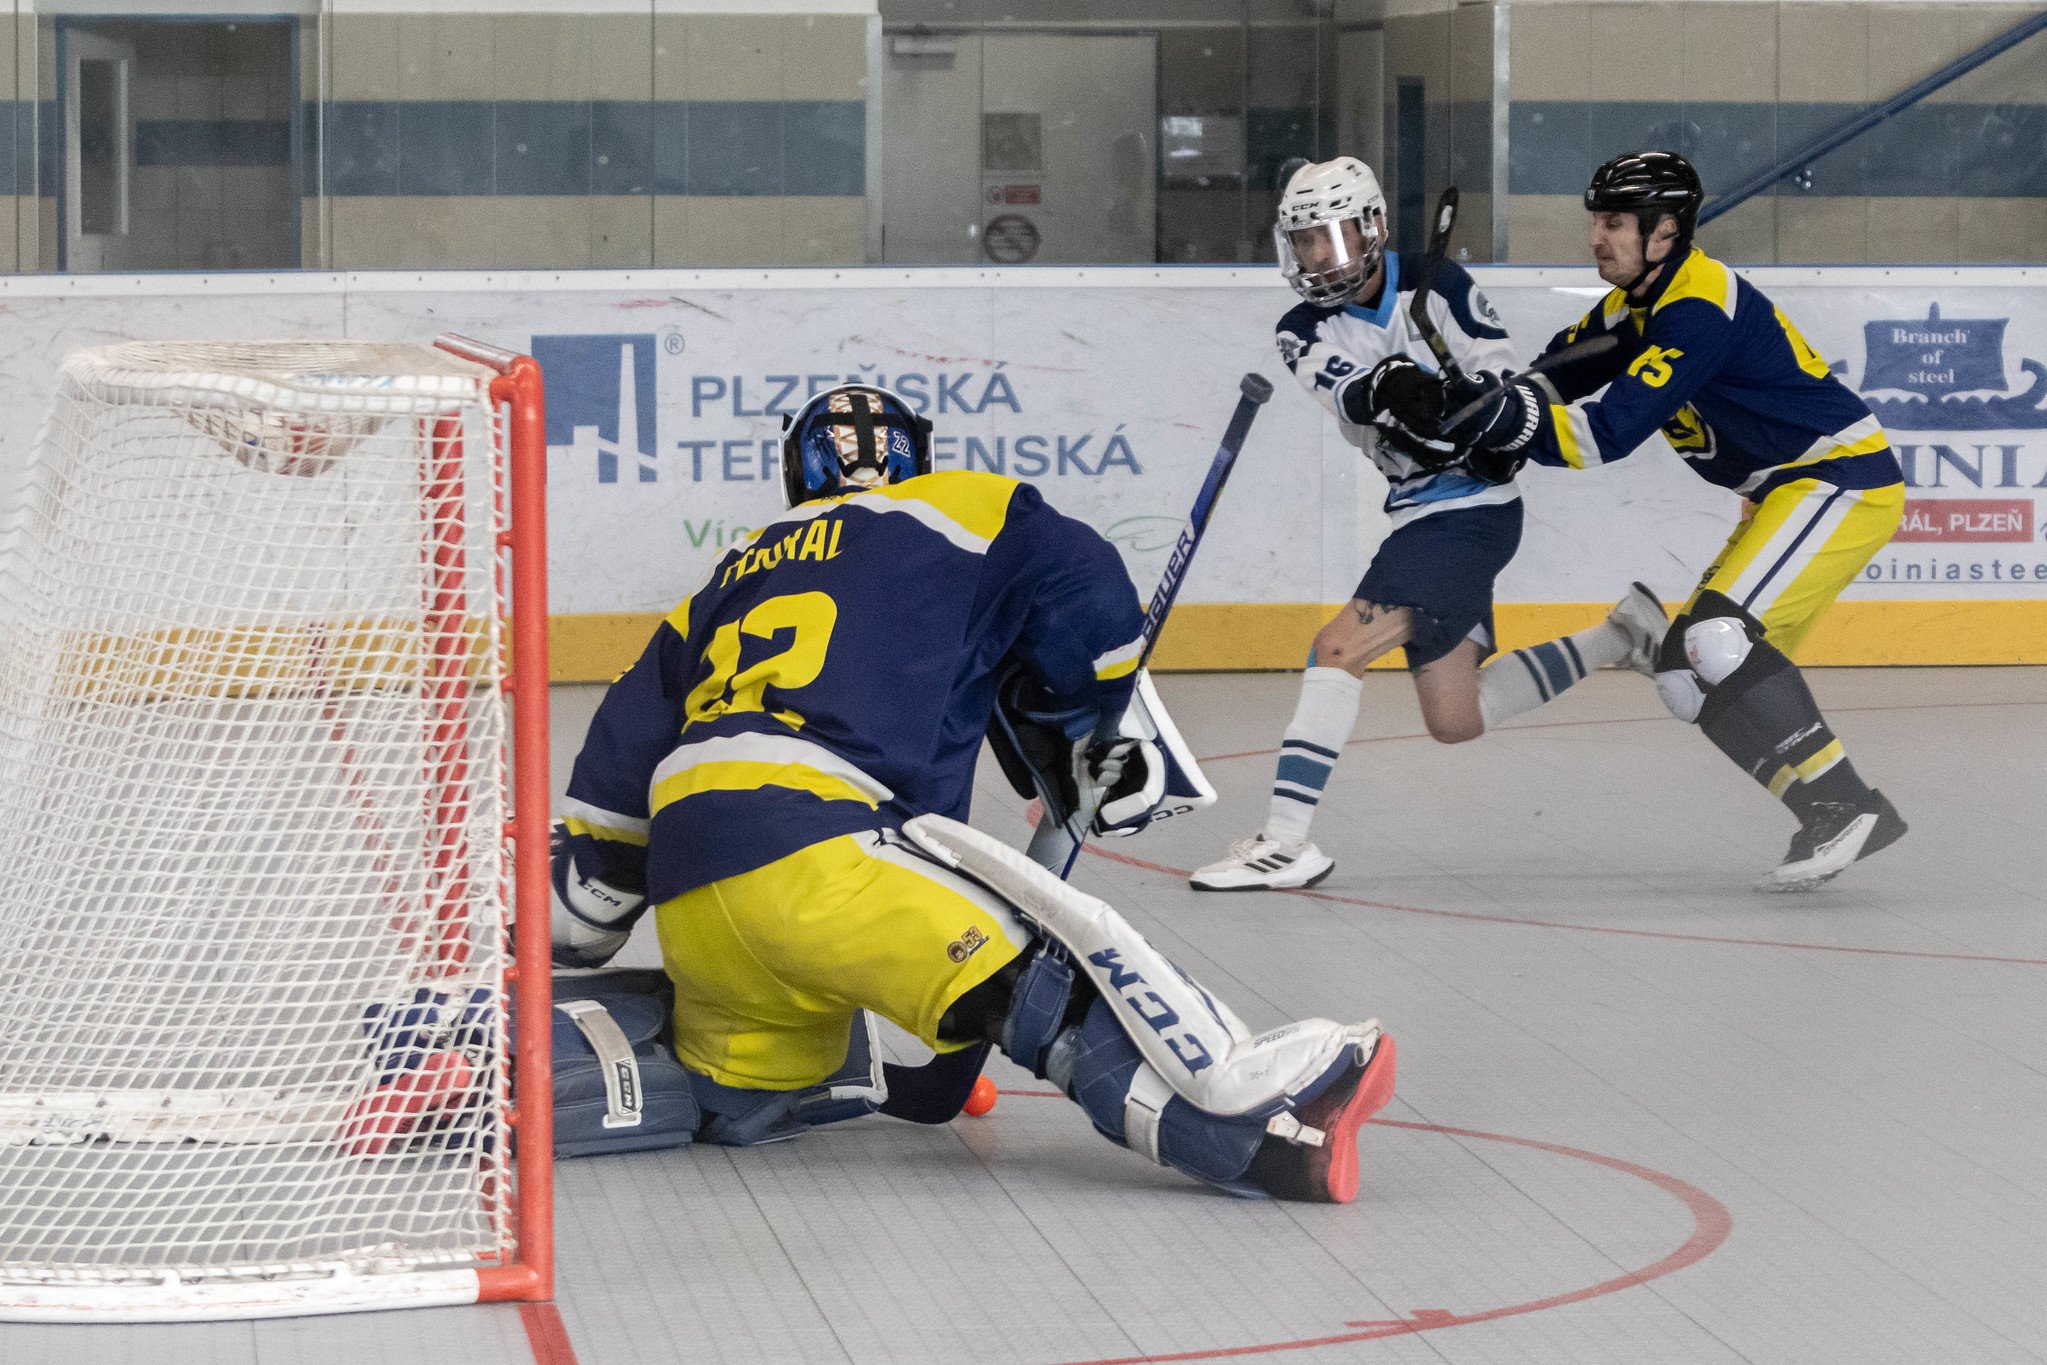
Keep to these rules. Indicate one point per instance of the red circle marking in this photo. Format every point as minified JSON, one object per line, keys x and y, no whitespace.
{"x":1711,"y":1225}
{"x":1477,"y":917}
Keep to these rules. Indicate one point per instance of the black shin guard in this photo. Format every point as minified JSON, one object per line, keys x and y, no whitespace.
{"x":1764,"y":717}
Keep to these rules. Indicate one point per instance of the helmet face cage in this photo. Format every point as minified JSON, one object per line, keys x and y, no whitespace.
{"x":1350,"y":267}
{"x":849,"y":438}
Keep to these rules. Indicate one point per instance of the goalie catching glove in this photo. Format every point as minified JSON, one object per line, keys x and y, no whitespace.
{"x":1143,"y":768}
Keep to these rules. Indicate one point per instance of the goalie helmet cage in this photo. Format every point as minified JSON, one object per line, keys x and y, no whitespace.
{"x":265,"y":1005}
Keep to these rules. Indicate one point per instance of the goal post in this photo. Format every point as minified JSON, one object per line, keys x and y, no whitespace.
{"x":273,"y":786}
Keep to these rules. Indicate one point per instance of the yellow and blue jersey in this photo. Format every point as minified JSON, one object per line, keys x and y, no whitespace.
{"x":1725,"y":376}
{"x":837,"y":674}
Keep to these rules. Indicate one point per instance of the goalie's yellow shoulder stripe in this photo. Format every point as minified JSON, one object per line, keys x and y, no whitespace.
{"x":678,"y":620}
{"x":976,"y":502}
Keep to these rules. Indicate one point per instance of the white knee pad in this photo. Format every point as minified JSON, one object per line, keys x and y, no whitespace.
{"x":1681,"y":693}
{"x":1716,"y":647}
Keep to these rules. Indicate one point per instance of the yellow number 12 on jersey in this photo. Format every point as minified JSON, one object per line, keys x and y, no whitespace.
{"x":810,"y":615}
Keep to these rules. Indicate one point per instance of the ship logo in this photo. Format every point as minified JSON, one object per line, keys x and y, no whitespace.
{"x":1950,"y":373}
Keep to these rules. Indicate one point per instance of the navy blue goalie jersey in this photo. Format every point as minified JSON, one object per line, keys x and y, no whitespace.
{"x":838,"y":673}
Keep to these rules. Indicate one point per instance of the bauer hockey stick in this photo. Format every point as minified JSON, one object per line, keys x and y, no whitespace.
{"x":1057,"y":844}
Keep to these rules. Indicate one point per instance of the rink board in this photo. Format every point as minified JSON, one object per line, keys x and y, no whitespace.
{"x":1108,"y":388}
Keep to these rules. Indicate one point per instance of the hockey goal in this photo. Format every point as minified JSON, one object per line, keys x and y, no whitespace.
{"x":272,"y":646}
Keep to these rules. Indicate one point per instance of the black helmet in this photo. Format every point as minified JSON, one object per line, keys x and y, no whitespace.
{"x":1650,"y":185}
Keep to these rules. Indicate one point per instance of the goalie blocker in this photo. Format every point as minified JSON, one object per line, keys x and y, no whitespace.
{"x":1145,"y":773}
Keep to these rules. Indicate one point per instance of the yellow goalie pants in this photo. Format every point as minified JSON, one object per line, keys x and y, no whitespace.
{"x":770,"y":966}
{"x":1797,"y":549}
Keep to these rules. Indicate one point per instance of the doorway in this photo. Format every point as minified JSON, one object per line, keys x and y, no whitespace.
{"x":1020,"y":148}
{"x":179,"y":147}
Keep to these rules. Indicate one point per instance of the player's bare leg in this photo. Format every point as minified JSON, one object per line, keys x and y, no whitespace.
{"x":1459,"y":702}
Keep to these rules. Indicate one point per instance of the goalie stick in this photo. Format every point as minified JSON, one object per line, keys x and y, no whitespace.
{"x":1055,"y":844}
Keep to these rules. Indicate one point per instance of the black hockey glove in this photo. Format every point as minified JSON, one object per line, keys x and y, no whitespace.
{"x":1404,"y":403}
{"x":1508,"y":414}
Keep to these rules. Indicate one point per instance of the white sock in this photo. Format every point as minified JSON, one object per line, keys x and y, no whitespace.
{"x":1321,"y":726}
{"x":1525,"y":679}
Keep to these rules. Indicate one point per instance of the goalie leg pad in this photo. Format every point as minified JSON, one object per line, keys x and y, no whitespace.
{"x":1129,"y":1103}
{"x":1204,"y":1053}
{"x":747,"y":1118}
{"x":617,"y":1086}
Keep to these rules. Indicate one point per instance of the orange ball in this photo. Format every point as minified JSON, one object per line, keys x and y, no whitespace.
{"x":982,"y":1099}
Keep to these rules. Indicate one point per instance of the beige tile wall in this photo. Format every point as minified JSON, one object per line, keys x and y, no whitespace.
{"x":601,"y":57}
{"x":1826,"y":51}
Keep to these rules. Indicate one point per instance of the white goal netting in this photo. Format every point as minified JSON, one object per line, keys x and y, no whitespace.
{"x":252,"y":809}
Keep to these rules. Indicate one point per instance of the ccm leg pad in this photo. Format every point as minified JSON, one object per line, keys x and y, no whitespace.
{"x":617,"y":1085}
{"x":1101,"y":1070}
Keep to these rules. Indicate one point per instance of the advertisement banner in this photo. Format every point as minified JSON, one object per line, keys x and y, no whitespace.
{"x":1108,"y":389}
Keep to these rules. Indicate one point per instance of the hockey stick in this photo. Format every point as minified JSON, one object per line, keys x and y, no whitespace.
{"x":1056,"y":844}
{"x":1418,"y":305}
{"x":1577,"y":350}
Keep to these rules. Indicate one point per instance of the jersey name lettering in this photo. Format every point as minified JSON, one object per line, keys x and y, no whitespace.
{"x":818,"y":540}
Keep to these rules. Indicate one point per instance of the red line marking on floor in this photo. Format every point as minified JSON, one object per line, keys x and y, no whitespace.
{"x":547,"y":1334}
{"x":1711,"y":1225}
{"x":1526,"y":922}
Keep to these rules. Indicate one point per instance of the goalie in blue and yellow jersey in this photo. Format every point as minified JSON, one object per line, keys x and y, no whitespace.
{"x":1710,"y":362}
{"x":782,"y":775}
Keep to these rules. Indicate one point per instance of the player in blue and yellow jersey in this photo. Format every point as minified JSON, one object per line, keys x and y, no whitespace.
{"x":781,"y":776}
{"x":1710,"y":362}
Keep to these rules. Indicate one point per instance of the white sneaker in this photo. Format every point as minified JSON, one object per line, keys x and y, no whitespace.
{"x":1262,"y":864}
{"x":1640,"y":617}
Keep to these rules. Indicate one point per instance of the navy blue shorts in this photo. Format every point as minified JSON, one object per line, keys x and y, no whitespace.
{"x":1441,"y":568}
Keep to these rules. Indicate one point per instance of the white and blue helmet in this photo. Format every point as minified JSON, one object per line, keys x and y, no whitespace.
{"x":852,"y":437}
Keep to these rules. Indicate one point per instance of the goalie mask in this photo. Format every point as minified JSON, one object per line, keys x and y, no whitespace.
{"x":1331,"y":233}
{"x":849,"y":438}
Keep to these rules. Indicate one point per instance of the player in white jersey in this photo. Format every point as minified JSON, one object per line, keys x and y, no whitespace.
{"x":1429,"y":587}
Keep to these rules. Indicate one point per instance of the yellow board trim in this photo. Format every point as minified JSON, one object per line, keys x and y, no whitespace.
{"x":1230,"y":636}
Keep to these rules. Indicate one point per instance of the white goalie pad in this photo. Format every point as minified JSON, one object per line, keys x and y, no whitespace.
{"x":1172,"y":782}
{"x":1207,"y":1054}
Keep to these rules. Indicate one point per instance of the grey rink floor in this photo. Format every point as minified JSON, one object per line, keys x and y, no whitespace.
{"x":1644,"y":1114}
